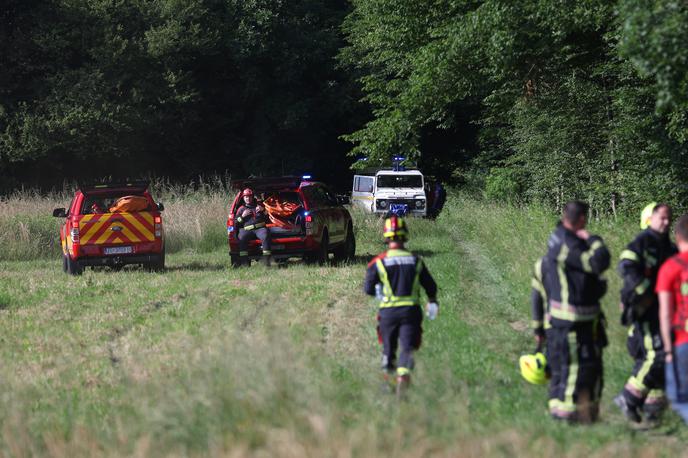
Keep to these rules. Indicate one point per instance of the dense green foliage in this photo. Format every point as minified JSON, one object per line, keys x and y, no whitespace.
{"x":174,"y":88}
{"x":571,"y":99}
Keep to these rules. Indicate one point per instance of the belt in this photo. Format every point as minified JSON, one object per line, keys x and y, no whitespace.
{"x":254,"y":226}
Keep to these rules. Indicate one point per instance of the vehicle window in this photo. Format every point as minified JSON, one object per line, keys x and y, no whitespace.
{"x":363,"y":184}
{"x":104,"y":203}
{"x":399,"y":181}
{"x":330,"y":198}
{"x":316,"y":196}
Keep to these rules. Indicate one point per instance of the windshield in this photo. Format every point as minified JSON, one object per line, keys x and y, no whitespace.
{"x":399,"y":181}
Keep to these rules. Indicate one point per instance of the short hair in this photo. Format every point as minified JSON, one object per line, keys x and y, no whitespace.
{"x":659,"y":206}
{"x":681,"y":228}
{"x":575,"y":210}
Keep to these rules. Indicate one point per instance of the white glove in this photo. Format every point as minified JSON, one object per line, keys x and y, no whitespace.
{"x":432,"y":309}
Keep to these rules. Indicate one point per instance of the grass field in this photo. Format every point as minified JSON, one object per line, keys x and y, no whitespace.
{"x":204,"y":360}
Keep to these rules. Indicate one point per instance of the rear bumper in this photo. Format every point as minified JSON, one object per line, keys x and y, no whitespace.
{"x":282,"y":248}
{"x":119,"y":260}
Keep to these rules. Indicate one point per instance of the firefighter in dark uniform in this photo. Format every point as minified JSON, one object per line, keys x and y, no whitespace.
{"x":567,"y":288}
{"x":400,"y":274}
{"x":252,"y":219}
{"x":639,"y":265}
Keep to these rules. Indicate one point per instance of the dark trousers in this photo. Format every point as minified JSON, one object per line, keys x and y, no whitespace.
{"x":400,"y":327}
{"x":574,"y":355}
{"x":645,"y":387}
{"x":263,"y":234}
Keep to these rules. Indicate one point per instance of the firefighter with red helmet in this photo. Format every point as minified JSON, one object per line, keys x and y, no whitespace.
{"x":399,"y":274}
{"x":251,"y":219}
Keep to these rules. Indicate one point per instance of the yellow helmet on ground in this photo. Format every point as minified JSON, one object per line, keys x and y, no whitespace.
{"x":646,"y":215}
{"x":395,"y":229}
{"x":534,"y":368}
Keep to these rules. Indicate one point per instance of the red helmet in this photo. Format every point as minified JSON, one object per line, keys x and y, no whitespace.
{"x":247,"y":192}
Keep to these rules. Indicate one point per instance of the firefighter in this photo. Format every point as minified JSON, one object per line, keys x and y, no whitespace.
{"x":567,"y":288}
{"x":638,"y":267}
{"x":252,"y":219}
{"x":400,"y":274}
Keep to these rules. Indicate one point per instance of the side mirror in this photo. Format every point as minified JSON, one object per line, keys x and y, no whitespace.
{"x":60,"y":213}
{"x":161,"y":207}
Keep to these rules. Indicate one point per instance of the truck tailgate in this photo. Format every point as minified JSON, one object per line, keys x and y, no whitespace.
{"x":116,"y":228}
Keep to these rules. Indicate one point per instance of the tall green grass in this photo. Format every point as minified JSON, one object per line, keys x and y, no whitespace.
{"x":206,"y":360}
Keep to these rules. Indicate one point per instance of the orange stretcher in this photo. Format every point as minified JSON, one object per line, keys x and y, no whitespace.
{"x":280,"y":212}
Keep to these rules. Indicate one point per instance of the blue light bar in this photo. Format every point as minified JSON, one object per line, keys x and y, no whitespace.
{"x":306,"y":213}
{"x":307,"y":177}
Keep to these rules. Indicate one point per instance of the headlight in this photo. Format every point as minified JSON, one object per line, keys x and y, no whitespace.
{"x":382,"y":204}
{"x":420,"y":203}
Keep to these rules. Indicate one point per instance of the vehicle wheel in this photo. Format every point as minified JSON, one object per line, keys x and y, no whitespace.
{"x":73,"y":267}
{"x":159,"y":265}
{"x":321,"y":255}
{"x":234,"y":260}
{"x":64,"y":263}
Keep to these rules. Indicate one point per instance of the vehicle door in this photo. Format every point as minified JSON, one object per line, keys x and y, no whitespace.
{"x":362,"y":192}
{"x":317,"y":208}
{"x":336,"y":215}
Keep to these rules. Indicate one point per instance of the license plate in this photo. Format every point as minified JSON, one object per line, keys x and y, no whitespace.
{"x":398,"y":209}
{"x":119,"y":250}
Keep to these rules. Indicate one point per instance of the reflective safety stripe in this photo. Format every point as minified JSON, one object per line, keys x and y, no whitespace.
{"x":629,"y":255}
{"x":573,"y":373}
{"x":571,"y":312}
{"x":650,"y":355}
{"x":267,"y":252}
{"x":254,"y":226}
{"x":389,"y":299}
{"x":243,"y":253}
{"x":585,"y":257}
{"x":401,"y":371}
{"x":642,"y":287}
{"x":536,"y":324}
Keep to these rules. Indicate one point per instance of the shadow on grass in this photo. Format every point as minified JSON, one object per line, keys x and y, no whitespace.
{"x":196,"y":267}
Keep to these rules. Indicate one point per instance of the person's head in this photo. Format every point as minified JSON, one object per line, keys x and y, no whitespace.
{"x":395,"y":231}
{"x":660,"y":221}
{"x":247,"y":195}
{"x":681,"y":230}
{"x":575,"y":215}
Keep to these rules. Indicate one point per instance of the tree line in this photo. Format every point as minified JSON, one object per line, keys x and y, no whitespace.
{"x":543,"y":101}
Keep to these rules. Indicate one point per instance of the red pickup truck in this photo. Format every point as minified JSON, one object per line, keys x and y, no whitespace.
{"x":112,"y":225}
{"x":306,"y":221}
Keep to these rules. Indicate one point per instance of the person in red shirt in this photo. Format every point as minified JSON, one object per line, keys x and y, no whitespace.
{"x":672,"y":289}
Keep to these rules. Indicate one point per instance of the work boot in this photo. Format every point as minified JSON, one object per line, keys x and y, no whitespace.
{"x":244,"y":261}
{"x":403,"y":383}
{"x":630,"y":412}
{"x":266,"y":260}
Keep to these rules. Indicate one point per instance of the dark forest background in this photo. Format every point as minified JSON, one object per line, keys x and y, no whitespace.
{"x":541,"y":101}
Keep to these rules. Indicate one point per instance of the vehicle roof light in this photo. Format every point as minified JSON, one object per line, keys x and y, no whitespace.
{"x":307,"y":177}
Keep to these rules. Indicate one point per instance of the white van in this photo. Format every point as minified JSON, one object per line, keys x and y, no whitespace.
{"x":387,"y":190}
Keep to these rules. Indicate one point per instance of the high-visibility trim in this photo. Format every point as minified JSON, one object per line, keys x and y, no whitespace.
{"x":643,"y":286}
{"x":650,"y":260}
{"x":585,"y":257}
{"x":251,"y":227}
{"x":389,"y":299}
{"x":401,"y":371}
{"x":573,"y":373}
{"x":629,"y":255}
{"x":267,"y":252}
{"x":243,"y":253}
{"x":571,"y":312}
{"x":563,"y":281}
{"x":649,"y":359}
{"x":655,"y":396}
{"x":560,"y":408}
{"x":536,"y":324}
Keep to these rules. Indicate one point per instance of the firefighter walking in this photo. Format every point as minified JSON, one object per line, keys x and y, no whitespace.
{"x":401,"y":275}
{"x":639,"y":264}
{"x":251,"y":219}
{"x":567,"y":288}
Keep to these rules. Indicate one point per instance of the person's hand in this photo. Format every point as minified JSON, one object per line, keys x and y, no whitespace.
{"x":669,"y":357}
{"x":246,"y":213}
{"x":540,"y":340}
{"x":260,"y":209}
{"x":622,"y":307}
{"x":583,"y":234}
{"x":431,"y":310}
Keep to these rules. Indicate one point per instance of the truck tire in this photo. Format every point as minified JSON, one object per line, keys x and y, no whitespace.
{"x":64,"y":263}
{"x":73,"y":267}
{"x":234,"y":260}
{"x":320,"y":256}
{"x":159,"y":264}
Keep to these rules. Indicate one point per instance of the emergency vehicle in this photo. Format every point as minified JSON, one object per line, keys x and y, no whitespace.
{"x":306,"y":220}
{"x":113,"y":225}
{"x":390,"y":190}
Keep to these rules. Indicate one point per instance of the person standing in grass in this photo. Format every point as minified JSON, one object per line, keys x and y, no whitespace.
{"x":640,"y":262}
{"x":672,"y":289}
{"x":568,"y":283}
{"x":401,"y":274}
